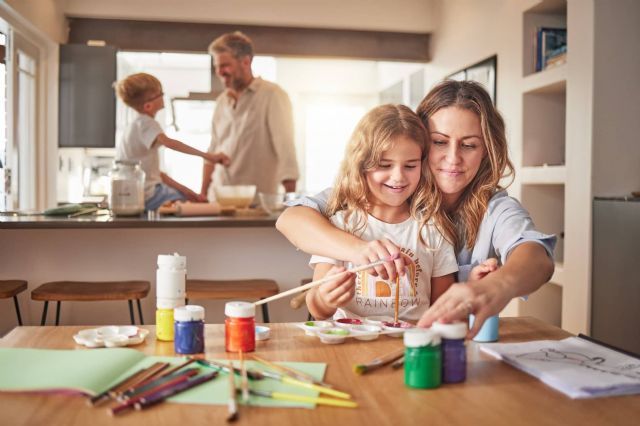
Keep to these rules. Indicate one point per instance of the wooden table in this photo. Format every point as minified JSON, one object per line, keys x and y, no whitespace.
{"x":494,"y":393}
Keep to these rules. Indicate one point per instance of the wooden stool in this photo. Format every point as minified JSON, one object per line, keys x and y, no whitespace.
{"x":11,"y":288}
{"x":233,"y":290}
{"x":85,"y":291}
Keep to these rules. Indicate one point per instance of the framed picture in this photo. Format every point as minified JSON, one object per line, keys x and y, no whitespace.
{"x":484,"y":72}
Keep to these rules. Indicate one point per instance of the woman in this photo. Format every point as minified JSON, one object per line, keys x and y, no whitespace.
{"x":467,"y":157}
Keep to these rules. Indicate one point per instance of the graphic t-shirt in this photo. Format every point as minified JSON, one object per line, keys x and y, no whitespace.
{"x":375,"y":296}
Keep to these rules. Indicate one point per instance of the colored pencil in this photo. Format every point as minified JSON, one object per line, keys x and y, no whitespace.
{"x":144,"y":383}
{"x":323,"y":280}
{"x":158,"y":397}
{"x":151,"y":372}
{"x":154,"y":384}
{"x":124,"y":384}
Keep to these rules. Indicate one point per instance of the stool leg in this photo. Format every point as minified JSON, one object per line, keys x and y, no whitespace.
{"x":140,"y":312}
{"x":133,"y":320}
{"x":15,"y":302}
{"x":58,"y":312}
{"x":44,"y":312}
{"x":265,"y":312}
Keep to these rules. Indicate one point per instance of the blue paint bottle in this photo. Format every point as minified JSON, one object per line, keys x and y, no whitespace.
{"x":454,"y":352}
{"x":189,"y":329}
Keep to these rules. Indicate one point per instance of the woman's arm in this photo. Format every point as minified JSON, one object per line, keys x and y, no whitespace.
{"x":324,"y":300}
{"x":310,"y":231}
{"x":528,"y":266}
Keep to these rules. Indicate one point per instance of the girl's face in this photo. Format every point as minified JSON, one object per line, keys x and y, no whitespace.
{"x":394,"y":180}
{"x":456,"y":149}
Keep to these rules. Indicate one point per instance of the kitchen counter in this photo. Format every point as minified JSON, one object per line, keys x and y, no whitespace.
{"x":111,"y":222}
{"x":44,"y":248}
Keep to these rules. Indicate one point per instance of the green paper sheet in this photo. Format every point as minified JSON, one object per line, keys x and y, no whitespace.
{"x":95,"y":370}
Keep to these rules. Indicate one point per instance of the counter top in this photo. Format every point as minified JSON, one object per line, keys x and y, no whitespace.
{"x":106,"y":221}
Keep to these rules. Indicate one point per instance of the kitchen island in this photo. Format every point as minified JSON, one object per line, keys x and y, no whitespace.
{"x":102,"y":248}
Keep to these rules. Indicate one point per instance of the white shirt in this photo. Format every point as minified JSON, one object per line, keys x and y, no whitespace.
{"x":136,"y":145}
{"x":256,"y":132}
{"x":375,"y":296}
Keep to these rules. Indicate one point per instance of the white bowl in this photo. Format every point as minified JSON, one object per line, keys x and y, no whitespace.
{"x":271,"y":203}
{"x":262,"y":332}
{"x":312,"y":327}
{"x":333,"y":336}
{"x":365,"y":332}
{"x":240,"y":196}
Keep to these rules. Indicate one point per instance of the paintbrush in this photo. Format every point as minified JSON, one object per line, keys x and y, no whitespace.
{"x":303,"y":398}
{"x":296,"y":374}
{"x":126,"y":383}
{"x":244,"y":382}
{"x":253,"y":375}
{"x":398,"y":363}
{"x":324,"y":280}
{"x":378,"y":362}
{"x":232,"y":405}
{"x":166,"y":393}
{"x":143,"y":384}
{"x":397,"y":302}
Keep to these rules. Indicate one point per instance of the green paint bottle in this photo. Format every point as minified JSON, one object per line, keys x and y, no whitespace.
{"x":422,"y":359}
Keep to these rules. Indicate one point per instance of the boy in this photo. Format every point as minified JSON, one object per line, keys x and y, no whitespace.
{"x":143,"y":137}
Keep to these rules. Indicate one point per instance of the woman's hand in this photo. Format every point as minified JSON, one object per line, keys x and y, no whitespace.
{"x":371,"y":251}
{"x":483,"y":298}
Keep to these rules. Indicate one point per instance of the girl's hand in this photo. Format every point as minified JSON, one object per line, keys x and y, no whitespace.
{"x":482,"y":270}
{"x":371,"y":251}
{"x":339,"y":291}
{"x":218,"y":158}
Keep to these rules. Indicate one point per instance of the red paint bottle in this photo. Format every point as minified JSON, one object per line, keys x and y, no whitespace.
{"x":240,"y":327}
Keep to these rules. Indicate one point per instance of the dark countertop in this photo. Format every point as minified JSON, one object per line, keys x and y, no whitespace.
{"x":108,"y":222}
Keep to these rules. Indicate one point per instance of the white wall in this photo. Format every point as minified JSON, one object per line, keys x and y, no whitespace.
{"x":46,"y":15}
{"x":380,"y":15}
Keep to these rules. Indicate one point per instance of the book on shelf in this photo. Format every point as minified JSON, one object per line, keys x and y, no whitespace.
{"x":549,"y":44}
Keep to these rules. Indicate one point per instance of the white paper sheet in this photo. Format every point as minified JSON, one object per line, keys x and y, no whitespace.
{"x":574,"y":366}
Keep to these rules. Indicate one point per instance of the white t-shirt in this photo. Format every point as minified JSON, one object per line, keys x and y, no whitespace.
{"x":136,"y":145}
{"x":375,"y":296}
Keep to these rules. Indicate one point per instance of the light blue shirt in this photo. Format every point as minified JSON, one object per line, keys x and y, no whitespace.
{"x":506,"y":225}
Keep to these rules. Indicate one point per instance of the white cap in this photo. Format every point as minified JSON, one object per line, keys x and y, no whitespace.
{"x":189,"y":313}
{"x":240,"y":309}
{"x":417,"y":337}
{"x":454,"y":330}
{"x":172,"y":261}
{"x":162,"y":303}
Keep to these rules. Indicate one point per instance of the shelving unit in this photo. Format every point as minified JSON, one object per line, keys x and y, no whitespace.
{"x":542,"y":169}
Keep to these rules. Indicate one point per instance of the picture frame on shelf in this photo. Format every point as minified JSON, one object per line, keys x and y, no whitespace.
{"x":483,"y":72}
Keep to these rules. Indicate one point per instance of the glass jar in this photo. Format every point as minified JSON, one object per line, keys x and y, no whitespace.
{"x":240,"y":327}
{"x":126,"y":192}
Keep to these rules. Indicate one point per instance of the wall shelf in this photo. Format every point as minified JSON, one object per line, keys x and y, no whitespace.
{"x":549,"y":81}
{"x":543,"y":175}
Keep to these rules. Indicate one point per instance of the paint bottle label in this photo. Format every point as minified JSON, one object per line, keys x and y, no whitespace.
{"x":164,"y":324}
{"x":240,"y":327}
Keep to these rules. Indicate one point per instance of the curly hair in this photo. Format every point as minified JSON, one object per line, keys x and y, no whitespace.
{"x":373,"y":135}
{"x":136,"y":89}
{"x":462,"y":222}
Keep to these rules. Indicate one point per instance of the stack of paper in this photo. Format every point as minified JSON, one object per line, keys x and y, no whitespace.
{"x":574,"y":366}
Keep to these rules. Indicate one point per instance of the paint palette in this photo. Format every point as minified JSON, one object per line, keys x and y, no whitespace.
{"x":334,"y":332}
{"x":112,"y":336}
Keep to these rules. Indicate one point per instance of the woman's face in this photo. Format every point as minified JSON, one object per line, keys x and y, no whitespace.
{"x":456,"y":150}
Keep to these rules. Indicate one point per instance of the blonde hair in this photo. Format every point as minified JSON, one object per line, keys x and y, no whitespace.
{"x":136,"y":89}
{"x":235,"y":43}
{"x":373,"y":135}
{"x":462,"y":223}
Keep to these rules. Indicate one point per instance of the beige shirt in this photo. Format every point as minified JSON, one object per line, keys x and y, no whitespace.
{"x":256,"y":132}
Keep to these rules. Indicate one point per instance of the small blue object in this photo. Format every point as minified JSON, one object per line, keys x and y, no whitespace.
{"x":188,"y":329}
{"x":489,"y":330}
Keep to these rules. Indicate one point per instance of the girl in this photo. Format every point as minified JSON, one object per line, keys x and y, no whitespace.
{"x":382,"y":188}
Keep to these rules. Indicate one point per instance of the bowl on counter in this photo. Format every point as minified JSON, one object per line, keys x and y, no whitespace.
{"x":240,"y":196}
{"x":271,"y":203}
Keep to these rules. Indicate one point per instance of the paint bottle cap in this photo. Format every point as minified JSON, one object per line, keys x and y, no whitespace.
{"x":418,"y":337}
{"x":454,"y":330}
{"x":240,"y":309}
{"x":189,"y":313}
{"x":162,"y":303}
{"x":172,"y":261}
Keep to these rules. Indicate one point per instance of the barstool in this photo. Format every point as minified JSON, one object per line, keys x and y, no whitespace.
{"x":85,"y":291}
{"x":233,"y":290}
{"x":11,"y":288}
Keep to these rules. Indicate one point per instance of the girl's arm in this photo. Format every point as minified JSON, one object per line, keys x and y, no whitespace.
{"x":526,"y":269}
{"x":310,"y":231}
{"x":176,"y":145}
{"x":439,"y":285}
{"x":191,"y":195}
{"x":324,"y":300}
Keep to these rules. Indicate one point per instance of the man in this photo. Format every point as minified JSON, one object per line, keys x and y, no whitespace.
{"x":252,"y":123}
